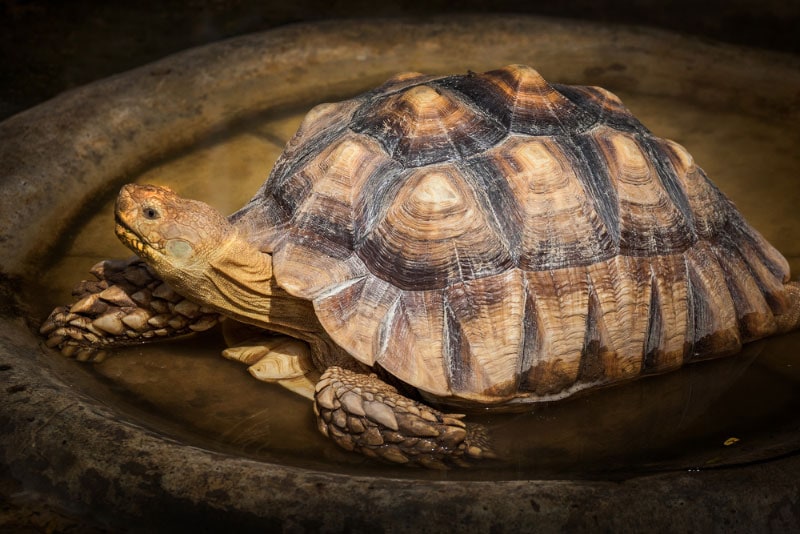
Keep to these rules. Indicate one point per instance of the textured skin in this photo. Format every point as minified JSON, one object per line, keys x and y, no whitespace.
{"x":125,"y":304}
{"x":363,"y":414}
{"x":492,"y":238}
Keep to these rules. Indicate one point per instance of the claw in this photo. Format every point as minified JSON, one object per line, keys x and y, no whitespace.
{"x":48,"y":326}
{"x":84,"y":355}
{"x":53,"y":341}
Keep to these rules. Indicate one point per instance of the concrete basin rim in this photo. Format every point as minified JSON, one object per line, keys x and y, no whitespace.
{"x":47,"y":393}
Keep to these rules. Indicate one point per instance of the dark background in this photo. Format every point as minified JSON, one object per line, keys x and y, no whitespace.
{"x":47,"y":47}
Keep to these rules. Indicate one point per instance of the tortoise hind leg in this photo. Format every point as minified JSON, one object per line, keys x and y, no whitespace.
{"x":364,"y":414}
{"x":277,"y":358}
{"x":125,"y":305}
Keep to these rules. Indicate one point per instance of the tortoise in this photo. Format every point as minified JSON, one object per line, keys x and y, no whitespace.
{"x":473,"y":241}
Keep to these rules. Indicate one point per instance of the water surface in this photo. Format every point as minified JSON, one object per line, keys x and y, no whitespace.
{"x":733,"y":411}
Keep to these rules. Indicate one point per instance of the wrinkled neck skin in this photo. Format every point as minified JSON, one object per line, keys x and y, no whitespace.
{"x":236,"y":279}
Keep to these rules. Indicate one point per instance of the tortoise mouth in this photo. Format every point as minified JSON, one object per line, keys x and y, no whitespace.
{"x":131,"y":240}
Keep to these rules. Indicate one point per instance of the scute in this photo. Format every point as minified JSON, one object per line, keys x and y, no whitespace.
{"x":484,"y":332}
{"x":522,"y":101}
{"x":604,"y":106}
{"x":649,"y":220}
{"x":494,"y":238}
{"x":434,"y":234}
{"x":426,"y":124}
{"x":550,"y":216}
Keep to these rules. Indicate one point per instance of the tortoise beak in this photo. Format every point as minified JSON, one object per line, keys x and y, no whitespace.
{"x":125,"y":201}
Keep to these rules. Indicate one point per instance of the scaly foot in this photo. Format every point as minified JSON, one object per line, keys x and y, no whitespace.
{"x":364,"y":414}
{"x":126,"y":304}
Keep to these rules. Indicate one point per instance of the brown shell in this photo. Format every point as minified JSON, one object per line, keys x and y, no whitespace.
{"x":494,"y":238}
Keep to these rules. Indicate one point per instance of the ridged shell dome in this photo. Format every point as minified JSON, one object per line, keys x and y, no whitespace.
{"x":493,"y":237}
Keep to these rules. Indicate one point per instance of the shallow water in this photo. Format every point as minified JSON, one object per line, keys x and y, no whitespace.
{"x":733,"y":411}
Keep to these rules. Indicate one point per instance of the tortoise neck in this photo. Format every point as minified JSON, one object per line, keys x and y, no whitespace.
{"x":244,"y":288}
{"x":239,"y":283}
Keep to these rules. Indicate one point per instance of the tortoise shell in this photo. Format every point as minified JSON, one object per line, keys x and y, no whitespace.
{"x":495,"y":238}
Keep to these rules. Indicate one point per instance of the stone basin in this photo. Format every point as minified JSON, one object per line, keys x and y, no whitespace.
{"x":71,"y":437}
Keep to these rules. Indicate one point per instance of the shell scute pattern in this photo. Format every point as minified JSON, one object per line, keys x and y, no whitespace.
{"x":494,"y":238}
{"x":604,"y":106}
{"x":434,"y":234}
{"x":649,"y":220}
{"x":551,"y":220}
{"x":324,"y":204}
{"x":427,"y":124}
{"x":483,"y":350}
{"x":419,"y":318}
{"x":523,"y":102}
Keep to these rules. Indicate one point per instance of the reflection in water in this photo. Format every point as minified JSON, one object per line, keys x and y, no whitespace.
{"x":680,"y":420}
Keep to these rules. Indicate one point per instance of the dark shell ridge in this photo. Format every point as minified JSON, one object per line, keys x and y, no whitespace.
{"x":494,"y":237}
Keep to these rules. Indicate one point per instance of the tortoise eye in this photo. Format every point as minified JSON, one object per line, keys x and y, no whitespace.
{"x":150,"y":213}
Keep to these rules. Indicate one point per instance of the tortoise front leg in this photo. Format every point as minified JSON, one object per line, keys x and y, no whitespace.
{"x":125,"y":305}
{"x":364,"y":414}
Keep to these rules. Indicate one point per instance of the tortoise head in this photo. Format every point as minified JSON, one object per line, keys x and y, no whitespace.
{"x":179,"y":238}
{"x":196,"y":250}
{"x":204,"y":257}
